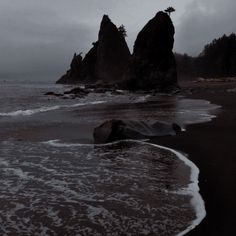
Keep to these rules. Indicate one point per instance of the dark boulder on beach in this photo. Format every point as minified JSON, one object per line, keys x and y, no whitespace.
{"x":114,"y":130}
{"x":153,"y":63}
{"x":113,"y":53}
{"x":106,"y":62}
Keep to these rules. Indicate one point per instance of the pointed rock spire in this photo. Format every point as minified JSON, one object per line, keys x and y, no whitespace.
{"x":153,"y":64}
{"x":113,"y":53}
{"x":106,"y":61}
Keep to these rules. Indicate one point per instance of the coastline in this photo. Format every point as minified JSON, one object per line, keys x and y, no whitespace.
{"x":59,"y":174}
{"x":199,"y":142}
{"x":192,"y":189}
{"x":211,"y":146}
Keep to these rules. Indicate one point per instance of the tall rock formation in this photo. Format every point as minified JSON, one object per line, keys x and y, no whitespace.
{"x":113,"y":53}
{"x":153,"y":63}
{"x":72,"y":74}
{"x":105,"y":62}
{"x":87,"y":71}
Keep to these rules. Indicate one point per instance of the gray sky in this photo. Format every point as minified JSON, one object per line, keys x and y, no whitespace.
{"x":38,"y":38}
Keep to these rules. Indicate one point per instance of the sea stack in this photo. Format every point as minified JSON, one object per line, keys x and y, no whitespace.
{"x":72,"y":74}
{"x":87,"y":70}
{"x":113,"y":53}
{"x":106,"y":62}
{"x":153,"y":63}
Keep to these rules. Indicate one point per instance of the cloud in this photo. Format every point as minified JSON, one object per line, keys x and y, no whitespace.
{"x":39,"y":41}
{"x":203,"y":21}
{"x":40,"y":37}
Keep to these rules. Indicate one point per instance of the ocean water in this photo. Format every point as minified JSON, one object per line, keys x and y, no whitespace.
{"x":55,"y":181}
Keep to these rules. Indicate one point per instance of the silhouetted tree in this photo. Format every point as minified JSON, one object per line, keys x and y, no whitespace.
{"x":169,"y":10}
{"x":123,"y":30}
{"x":218,"y":59}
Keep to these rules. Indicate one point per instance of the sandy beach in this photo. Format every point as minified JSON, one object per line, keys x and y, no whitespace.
{"x":118,"y":118}
{"x":211,"y":146}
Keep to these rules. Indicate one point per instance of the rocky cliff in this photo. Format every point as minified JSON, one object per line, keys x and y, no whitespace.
{"x":153,"y":63}
{"x":105,"y":62}
{"x":113,"y":53}
{"x":72,"y":74}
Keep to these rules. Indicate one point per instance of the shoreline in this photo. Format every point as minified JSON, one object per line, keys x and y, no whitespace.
{"x":211,"y":146}
{"x":192,"y":188}
{"x":182,"y":218}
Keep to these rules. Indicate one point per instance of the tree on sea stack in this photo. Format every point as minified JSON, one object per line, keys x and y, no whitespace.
{"x":123,"y":30}
{"x":169,"y":10}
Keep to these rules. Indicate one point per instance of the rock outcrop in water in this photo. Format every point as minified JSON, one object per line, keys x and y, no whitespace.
{"x":153,"y":63}
{"x":81,"y":69}
{"x":71,"y":75}
{"x":114,"y":130}
{"x":113,"y":53}
{"x":88,"y":65}
{"x":106,"y":62}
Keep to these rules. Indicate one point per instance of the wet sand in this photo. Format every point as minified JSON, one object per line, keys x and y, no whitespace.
{"x":209,"y":145}
{"x":212,"y":147}
{"x":64,"y":189}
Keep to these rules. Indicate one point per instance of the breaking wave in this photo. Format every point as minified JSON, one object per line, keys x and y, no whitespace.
{"x":192,"y":189}
{"x":127,"y":187}
{"x":30,"y":112}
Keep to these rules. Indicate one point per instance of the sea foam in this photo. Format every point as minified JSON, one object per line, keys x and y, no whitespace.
{"x":192,"y":189}
{"x":30,"y":112}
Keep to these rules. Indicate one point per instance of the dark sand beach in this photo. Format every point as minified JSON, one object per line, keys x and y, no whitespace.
{"x":118,"y":118}
{"x":46,"y":151}
{"x":211,"y":146}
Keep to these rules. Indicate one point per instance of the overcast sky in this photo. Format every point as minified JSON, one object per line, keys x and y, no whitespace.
{"x":38,"y":38}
